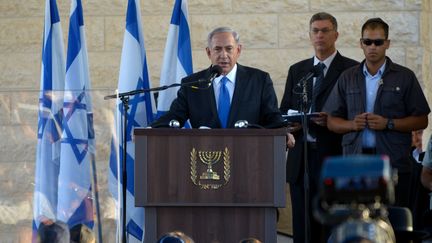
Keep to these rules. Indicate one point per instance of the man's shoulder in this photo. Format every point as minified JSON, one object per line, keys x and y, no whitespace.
{"x":250,"y":69}
{"x":301,"y":64}
{"x":399,"y":68}
{"x":351,"y":72}
{"x":348,"y":62}
{"x":196,"y":76}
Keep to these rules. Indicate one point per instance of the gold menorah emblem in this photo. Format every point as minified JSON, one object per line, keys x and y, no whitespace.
{"x":209,"y":158}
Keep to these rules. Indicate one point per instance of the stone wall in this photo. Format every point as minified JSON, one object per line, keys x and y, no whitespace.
{"x":426,"y":44}
{"x":274,"y":36}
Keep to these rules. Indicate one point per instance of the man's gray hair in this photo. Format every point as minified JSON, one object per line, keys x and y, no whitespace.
{"x":223,"y":30}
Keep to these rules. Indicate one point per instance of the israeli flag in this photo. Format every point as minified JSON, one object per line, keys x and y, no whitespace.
{"x":75,"y":203}
{"x":177,"y":61}
{"x":49,"y":118}
{"x":133,"y":75}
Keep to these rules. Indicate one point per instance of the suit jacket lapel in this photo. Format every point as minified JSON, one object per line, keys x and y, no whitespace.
{"x":305,"y":70}
{"x":211,"y":98}
{"x":240,"y":82}
{"x":336,"y":67}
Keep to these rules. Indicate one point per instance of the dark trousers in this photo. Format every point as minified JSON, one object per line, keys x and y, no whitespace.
{"x":316,"y":230}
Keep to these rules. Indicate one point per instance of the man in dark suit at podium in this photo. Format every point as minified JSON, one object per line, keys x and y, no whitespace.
{"x":239,"y":93}
{"x":320,"y":141}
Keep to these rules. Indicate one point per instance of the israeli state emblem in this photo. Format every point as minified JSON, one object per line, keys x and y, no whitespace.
{"x":204,"y":174}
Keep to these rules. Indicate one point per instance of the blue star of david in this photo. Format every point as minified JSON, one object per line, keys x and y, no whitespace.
{"x":48,"y":123}
{"x":73,"y":106}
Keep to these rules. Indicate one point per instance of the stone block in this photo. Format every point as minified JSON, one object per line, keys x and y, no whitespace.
{"x":104,"y":69}
{"x":414,"y":60}
{"x":294,"y":30}
{"x":363,"y":5}
{"x":263,"y":6}
{"x":427,"y":74}
{"x":397,"y":55}
{"x":155,"y":29}
{"x":17,"y":178}
{"x":20,"y":70}
{"x":349,"y":28}
{"x":276,"y":61}
{"x":5,"y":109}
{"x":403,"y":27}
{"x":154,"y":65}
{"x":21,"y":34}
{"x":210,"y":7}
{"x":18,"y":143}
{"x":95,"y":35}
{"x":355,"y":53}
{"x":104,"y":8}
{"x":24,"y":108}
{"x":426,"y":30}
{"x":22,"y":8}
{"x":413,"y":5}
{"x":262,"y":35}
{"x":114,"y":32}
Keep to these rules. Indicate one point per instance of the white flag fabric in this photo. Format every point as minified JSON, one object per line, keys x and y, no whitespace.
{"x":177,"y":61}
{"x":133,"y":75}
{"x":49,"y":117}
{"x":75,"y":205}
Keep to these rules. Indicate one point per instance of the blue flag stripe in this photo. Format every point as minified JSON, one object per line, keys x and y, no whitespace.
{"x":184,"y":45}
{"x":131,"y":20}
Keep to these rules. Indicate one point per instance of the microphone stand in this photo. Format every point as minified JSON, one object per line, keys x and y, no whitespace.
{"x":124,"y":97}
{"x":305,"y":156}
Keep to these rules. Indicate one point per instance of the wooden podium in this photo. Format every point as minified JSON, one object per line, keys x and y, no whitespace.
{"x":215,"y":185}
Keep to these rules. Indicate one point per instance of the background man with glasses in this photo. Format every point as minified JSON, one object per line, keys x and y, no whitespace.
{"x":377,"y":104}
{"x":321,"y":142}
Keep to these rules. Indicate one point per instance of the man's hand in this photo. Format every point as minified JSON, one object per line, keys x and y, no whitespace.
{"x":376,"y":122}
{"x":321,"y":119}
{"x":359,"y":122}
{"x":290,"y":141}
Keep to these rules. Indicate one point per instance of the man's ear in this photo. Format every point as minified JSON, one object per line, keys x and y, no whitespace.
{"x":208,"y":52}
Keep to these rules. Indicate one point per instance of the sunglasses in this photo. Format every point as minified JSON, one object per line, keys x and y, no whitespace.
{"x":368,"y":42}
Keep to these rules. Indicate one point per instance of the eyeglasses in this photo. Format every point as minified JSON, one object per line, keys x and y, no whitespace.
{"x":368,"y":42}
{"x":324,"y":30}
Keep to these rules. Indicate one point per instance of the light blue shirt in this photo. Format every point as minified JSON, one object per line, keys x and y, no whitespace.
{"x":372,"y":84}
{"x":230,"y":84}
{"x":427,"y":160}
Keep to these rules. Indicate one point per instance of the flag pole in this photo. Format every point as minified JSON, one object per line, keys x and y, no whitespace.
{"x":96,"y":197}
{"x":125,"y":102}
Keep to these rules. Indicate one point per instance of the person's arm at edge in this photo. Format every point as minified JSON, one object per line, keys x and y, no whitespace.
{"x":426,"y":177}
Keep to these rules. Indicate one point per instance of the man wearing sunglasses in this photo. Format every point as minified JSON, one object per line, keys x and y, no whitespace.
{"x":377,"y":104}
{"x":320,"y":141}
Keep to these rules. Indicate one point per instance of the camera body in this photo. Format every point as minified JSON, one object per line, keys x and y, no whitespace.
{"x":353,"y":192}
{"x":357,"y":179}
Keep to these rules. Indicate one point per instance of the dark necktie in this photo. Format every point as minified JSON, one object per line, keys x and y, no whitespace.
{"x":318,"y":82}
{"x":223,"y":102}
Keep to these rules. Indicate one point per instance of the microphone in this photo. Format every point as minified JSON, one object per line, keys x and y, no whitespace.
{"x":174,"y":123}
{"x":314,"y":72}
{"x":171,"y":124}
{"x":246,"y":124}
{"x":215,"y":71}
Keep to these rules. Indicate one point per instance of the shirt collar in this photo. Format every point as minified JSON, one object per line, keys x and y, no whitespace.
{"x":380,"y":70}
{"x":231,"y":75}
{"x":327,"y":61}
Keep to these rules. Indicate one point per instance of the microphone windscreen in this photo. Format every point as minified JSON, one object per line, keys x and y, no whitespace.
{"x":215,"y":70}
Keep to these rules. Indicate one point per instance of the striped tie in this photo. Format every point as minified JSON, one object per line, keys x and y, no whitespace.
{"x":318,"y":82}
